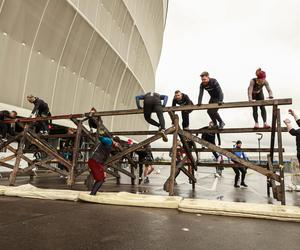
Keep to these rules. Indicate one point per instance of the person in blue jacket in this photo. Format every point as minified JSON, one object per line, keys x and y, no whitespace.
{"x":152,"y":103}
{"x":241,"y":169}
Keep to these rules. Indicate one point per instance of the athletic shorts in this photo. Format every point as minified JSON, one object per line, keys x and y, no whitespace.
{"x":97,"y":170}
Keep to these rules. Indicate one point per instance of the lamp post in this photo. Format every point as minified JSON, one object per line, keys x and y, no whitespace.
{"x":260,"y":136}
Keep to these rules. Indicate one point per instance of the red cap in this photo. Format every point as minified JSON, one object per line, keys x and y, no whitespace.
{"x":129,"y":141}
{"x":261,"y":75}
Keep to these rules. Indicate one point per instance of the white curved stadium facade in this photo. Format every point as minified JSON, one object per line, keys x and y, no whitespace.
{"x":75,"y":54}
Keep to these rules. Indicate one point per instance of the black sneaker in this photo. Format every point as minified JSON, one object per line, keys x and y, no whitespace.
{"x":164,"y":136}
{"x":236,"y":186}
{"x":146,"y":180}
{"x":244,"y":184}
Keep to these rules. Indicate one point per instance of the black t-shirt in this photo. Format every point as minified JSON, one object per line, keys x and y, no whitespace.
{"x":214,"y":90}
{"x":185,"y":100}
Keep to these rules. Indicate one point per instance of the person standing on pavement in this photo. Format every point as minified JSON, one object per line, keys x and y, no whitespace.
{"x":240,"y":169}
{"x":182,"y":99}
{"x":212,"y":86}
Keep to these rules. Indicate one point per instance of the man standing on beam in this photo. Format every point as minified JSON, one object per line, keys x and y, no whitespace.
{"x":152,"y":103}
{"x":212,"y":86}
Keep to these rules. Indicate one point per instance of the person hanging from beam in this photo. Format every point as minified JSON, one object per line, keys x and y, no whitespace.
{"x":6,"y":127}
{"x":294,"y":132}
{"x":97,"y":161}
{"x":152,"y":103}
{"x":212,"y":86}
{"x":241,"y":169}
{"x":211,"y":137}
{"x":182,"y":99}
{"x":255,"y":92}
{"x":146,"y":156}
{"x":40,"y":109}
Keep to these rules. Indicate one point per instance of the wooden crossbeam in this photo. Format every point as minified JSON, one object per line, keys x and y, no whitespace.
{"x":230,"y":155}
{"x":200,"y":131}
{"x":135,"y":147}
{"x":253,"y":150}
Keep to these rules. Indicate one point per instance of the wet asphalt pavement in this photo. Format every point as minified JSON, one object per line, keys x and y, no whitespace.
{"x":44,"y":224}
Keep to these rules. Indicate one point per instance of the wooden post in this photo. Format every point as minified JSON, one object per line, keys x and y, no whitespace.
{"x":13,"y":175}
{"x":280,"y":158}
{"x":71,"y":177}
{"x":140,"y":173}
{"x":173,"y":161}
{"x":132,"y":172}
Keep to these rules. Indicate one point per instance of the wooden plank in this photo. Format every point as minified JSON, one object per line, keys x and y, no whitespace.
{"x":13,"y":175}
{"x":8,"y":158}
{"x":280,"y":158}
{"x":174,"y":156}
{"x":71,"y":176}
{"x":85,"y":131}
{"x":49,"y":151}
{"x":263,"y":150}
{"x":200,"y":131}
{"x":10,"y":148}
{"x":135,"y":147}
{"x":4,"y":144}
{"x":230,"y":155}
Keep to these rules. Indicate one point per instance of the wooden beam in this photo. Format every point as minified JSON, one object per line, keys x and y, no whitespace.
{"x":263,"y":150}
{"x":135,"y":147}
{"x":4,"y":144}
{"x":230,"y":155}
{"x":10,"y":148}
{"x":280,"y":158}
{"x":200,"y":131}
{"x":174,"y":156}
{"x":13,"y":175}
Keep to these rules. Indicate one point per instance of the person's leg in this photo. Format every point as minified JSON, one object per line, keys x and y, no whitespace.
{"x":148,"y":109}
{"x":98,"y":174}
{"x":150,"y":169}
{"x":255,"y":114}
{"x":212,"y":115}
{"x":237,"y":177}
{"x":263,"y":113}
{"x":243,"y":171}
{"x":158,"y":109}
{"x":185,"y":119}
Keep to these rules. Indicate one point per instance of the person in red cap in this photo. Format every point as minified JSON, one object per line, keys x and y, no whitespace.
{"x":255,"y":92}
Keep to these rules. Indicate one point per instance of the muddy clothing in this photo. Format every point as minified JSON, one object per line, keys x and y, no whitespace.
{"x":152,"y":103}
{"x":185,"y":100}
{"x":296,"y":133}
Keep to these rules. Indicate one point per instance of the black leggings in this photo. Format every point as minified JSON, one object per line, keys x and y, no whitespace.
{"x":213,"y":113}
{"x":185,"y":119}
{"x":153,"y":104}
{"x":259,"y":96}
{"x":237,"y":171}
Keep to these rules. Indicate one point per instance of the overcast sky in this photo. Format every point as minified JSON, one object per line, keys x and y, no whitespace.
{"x":230,"y":39}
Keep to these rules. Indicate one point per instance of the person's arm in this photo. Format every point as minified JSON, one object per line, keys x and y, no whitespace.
{"x":290,"y":129}
{"x":188,"y":100}
{"x":165,"y":100}
{"x":218,"y":90}
{"x":250,"y":90}
{"x":269,"y":90}
{"x":36,"y":107}
{"x":292,"y":112}
{"x":219,"y":139}
{"x":137,"y":100}
{"x":174,"y":102}
{"x":200,"y":97}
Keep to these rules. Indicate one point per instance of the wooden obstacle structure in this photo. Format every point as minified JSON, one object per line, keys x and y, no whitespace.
{"x":76,"y":166}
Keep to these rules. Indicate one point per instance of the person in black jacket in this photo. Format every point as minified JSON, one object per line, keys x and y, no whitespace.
{"x":294,"y":132}
{"x":211,"y":137}
{"x":6,"y":127}
{"x":152,"y":103}
{"x":97,"y":161}
{"x":182,"y":99}
{"x":212,"y":86}
{"x":145,"y":155}
{"x":40,"y":109}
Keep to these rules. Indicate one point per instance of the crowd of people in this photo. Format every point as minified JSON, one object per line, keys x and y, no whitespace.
{"x":154,"y":103}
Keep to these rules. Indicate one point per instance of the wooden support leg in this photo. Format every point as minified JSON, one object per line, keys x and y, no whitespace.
{"x":280,"y":157}
{"x":132,"y":172}
{"x":140,"y":173}
{"x":13,"y":175}
{"x":173,"y":161}
{"x":71,"y":177}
